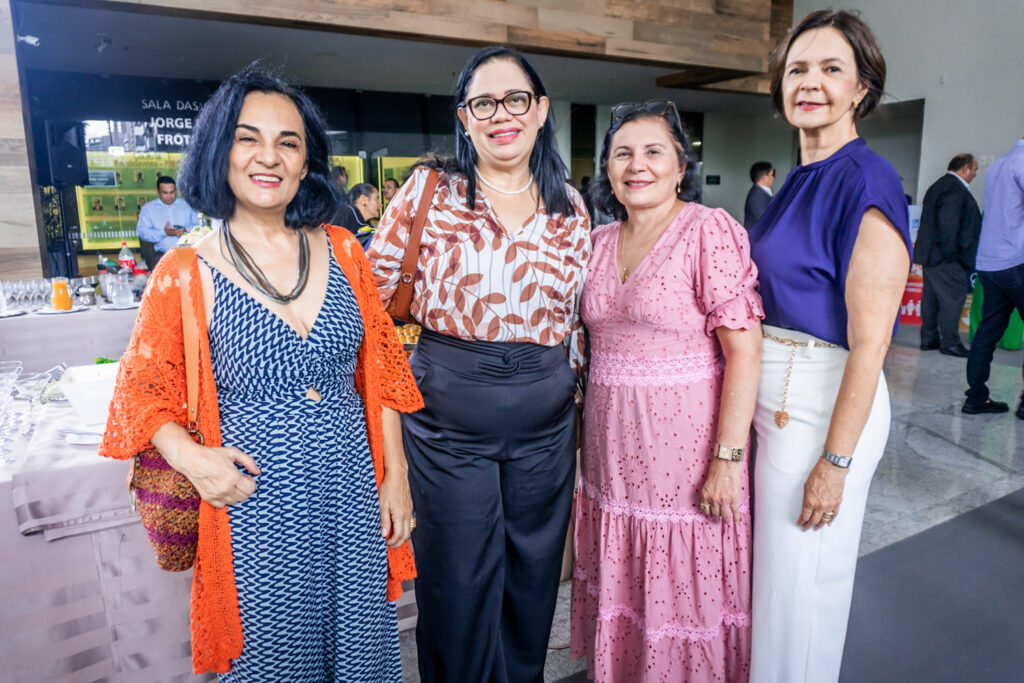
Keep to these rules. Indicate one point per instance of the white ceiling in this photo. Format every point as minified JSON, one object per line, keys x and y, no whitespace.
{"x":174,"y":47}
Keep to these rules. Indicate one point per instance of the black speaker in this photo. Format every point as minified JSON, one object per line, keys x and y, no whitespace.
{"x":65,"y":143}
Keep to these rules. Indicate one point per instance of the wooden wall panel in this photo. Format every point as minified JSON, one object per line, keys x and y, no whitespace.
{"x":780,"y":20}
{"x":20,"y":253}
{"x":573,"y":21}
{"x":758,"y":10}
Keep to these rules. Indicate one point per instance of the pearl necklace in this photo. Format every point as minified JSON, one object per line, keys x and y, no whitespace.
{"x":510,"y":193}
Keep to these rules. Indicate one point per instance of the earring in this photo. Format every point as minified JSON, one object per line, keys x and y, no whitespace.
{"x":679,"y":186}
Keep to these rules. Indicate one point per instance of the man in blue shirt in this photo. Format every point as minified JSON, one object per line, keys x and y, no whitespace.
{"x":163,"y":220}
{"x":1000,"y":265}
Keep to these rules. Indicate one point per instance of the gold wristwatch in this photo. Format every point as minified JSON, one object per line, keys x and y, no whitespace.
{"x":729,"y":453}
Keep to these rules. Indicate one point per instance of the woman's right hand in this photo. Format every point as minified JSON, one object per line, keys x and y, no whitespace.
{"x":721,"y":490}
{"x":211,"y":469}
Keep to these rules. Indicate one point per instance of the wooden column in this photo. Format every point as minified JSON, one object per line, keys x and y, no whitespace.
{"x":21,"y":242}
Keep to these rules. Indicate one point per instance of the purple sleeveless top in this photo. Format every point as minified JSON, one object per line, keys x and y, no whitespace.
{"x":803,"y":242}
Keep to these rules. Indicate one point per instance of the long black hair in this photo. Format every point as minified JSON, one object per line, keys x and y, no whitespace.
{"x":204,"y":174}
{"x":601,"y":190}
{"x":546,"y":165}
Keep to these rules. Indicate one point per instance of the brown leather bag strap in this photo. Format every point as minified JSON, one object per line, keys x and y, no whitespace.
{"x":401,"y":302}
{"x":190,"y":329}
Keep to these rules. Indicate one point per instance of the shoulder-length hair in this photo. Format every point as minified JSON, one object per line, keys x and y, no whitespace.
{"x":204,"y":173}
{"x":601,"y":190}
{"x":866,"y":52}
{"x":546,"y":165}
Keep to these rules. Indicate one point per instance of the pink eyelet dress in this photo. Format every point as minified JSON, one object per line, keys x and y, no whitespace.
{"x":661,"y":592}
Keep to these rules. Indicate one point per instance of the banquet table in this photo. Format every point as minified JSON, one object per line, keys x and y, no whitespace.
{"x":76,"y":338}
{"x":83,"y":599}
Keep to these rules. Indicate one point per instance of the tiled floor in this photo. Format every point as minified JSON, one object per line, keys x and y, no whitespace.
{"x":939,"y":463}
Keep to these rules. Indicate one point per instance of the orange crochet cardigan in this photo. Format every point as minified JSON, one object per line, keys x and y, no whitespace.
{"x":150,"y":392}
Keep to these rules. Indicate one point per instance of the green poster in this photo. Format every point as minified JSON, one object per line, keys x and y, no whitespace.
{"x":109,"y":209}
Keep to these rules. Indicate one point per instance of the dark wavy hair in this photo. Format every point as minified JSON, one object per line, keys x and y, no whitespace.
{"x":601,"y":190}
{"x":546,"y":165}
{"x":866,"y":52}
{"x":204,"y":174}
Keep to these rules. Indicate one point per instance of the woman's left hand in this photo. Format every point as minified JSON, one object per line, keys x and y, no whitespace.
{"x":395,"y":509}
{"x":823,"y":493}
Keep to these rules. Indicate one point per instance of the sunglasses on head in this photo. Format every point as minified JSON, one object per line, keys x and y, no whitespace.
{"x":655,"y":107}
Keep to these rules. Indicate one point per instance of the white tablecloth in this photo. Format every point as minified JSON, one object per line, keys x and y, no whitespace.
{"x":83,"y":599}
{"x":75,"y":338}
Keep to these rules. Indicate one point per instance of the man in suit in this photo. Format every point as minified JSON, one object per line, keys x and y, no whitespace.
{"x":762,"y":174}
{"x":946,"y":246}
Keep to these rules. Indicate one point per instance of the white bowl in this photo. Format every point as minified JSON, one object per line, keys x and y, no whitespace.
{"x":89,"y":389}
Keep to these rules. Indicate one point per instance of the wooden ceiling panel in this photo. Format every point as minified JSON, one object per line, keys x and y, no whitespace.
{"x":703,"y":39}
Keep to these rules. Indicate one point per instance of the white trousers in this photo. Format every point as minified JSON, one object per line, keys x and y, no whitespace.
{"x":803,"y":580}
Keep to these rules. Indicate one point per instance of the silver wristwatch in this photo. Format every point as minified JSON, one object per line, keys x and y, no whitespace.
{"x":837,"y":460}
{"x":730,"y":453}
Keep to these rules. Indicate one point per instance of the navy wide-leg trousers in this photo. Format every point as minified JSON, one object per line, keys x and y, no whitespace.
{"x":491,"y":467}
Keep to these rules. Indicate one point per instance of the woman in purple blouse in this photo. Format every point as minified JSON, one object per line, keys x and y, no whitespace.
{"x":833,"y":251}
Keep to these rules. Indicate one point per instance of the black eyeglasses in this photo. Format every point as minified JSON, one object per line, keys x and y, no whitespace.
{"x":485,"y":107}
{"x":656,"y":107}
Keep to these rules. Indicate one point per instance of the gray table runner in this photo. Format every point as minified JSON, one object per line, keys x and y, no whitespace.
{"x":61,"y":489}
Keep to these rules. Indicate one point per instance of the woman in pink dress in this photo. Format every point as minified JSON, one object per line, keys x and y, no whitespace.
{"x":661,"y":590}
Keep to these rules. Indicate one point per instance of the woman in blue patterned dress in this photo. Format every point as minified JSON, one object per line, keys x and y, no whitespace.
{"x":287,"y":326}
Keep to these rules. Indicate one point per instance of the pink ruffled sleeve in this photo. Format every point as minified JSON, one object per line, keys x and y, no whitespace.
{"x":726,"y":281}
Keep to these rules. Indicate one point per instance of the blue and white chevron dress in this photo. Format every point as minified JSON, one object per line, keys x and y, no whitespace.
{"x":310,"y":564}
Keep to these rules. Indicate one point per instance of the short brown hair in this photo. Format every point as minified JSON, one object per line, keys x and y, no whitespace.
{"x":870,"y":62}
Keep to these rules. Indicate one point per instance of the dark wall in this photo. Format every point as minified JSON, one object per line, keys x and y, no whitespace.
{"x":406,"y":124}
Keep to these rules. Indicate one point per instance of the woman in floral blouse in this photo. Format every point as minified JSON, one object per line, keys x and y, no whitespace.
{"x":502,"y":259}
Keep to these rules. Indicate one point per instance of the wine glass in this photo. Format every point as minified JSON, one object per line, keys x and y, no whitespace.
{"x":31,"y":387}
{"x":42,"y":291}
{"x":18,"y":290}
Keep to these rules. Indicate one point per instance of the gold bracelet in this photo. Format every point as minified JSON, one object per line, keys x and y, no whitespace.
{"x":730,"y":453}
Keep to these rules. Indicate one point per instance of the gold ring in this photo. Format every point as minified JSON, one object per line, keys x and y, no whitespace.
{"x":412,"y":523}
{"x":827,"y":515}
{"x":706,"y":507}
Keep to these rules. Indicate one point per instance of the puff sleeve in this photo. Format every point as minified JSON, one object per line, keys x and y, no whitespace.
{"x":725,"y":283}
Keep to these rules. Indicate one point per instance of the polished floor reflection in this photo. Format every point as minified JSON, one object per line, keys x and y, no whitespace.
{"x":939,"y":463}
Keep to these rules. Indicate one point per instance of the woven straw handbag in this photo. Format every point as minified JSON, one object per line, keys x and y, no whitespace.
{"x":165,"y":499}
